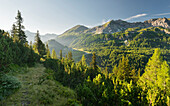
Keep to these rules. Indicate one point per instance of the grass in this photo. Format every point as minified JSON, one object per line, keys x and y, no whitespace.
{"x":39,"y":88}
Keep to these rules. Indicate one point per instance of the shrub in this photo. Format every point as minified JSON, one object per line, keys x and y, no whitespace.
{"x":8,"y":85}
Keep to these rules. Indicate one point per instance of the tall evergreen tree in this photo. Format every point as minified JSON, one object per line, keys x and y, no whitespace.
{"x":14,"y":33}
{"x":123,"y":68}
{"x":93,"y":62}
{"x":156,"y":79}
{"x":83,"y":59}
{"x":53,"y":55}
{"x":70,"y":56}
{"x":61,"y":55}
{"x":18,"y":28}
{"x":39,"y":46}
{"x":47,"y":52}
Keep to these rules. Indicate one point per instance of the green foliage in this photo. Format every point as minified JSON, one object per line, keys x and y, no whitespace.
{"x":93,"y":62}
{"x":137,"y":44}
{"x":17,"y":30}
{"x":48,"y":52}
{"x":9,"y":84}
{"x":120,"y":87}
{"x":39,"y":46}
{"x":156,"y":79}
{"x":13,"y":55}
{"x":51,"y":64}
{"x":73,"y":102}
{"x":61,"y":54}
{"x":53,"y":55}
{"x":70,"y":56}
{"x":40,"y":88}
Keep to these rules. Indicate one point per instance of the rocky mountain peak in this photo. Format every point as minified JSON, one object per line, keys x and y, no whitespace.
{"x":113,"y":26}
{"x":163,"y":22}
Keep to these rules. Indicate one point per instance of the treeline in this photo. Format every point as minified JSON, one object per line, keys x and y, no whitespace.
{"x":137,"y":44}
{"x":122,"y":86}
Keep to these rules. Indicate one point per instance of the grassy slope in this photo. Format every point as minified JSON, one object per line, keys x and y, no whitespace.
{"x":39,"y":88}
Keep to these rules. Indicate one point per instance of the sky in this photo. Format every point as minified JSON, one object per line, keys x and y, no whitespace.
{"x":57,"y":16}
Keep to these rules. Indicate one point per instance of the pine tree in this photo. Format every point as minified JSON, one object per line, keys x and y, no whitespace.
{"x":93,"y":62}
{"x":14,"y":33}
{"x":106,"y":72}
{"x":53,"y":55}
{"x":47,"y":52}
{"x":61,"y":55}
{"x":123,"y":68}
{"x":70,"y":55}
{"x":152,"y":67}
{"x":39,"y":46}
{"x":156,"y":78}
{"x":18,"y":28}
{"x":163,"y":80}
{"x":83,"y":59}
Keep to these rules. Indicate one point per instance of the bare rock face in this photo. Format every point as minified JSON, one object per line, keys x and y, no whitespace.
{"x":116,"y":26}
{"x":163,"y":22}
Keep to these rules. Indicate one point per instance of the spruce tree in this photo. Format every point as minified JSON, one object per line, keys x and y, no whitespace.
{"x":39,"y":46}
{"x":70,"y":55}
{"x":93,"y":62}
{"x":156,"y":80}
{"x":18,"y":28}
{"x":61,"y":55}
{"x":47,"y":52}
{"x":53,"y":55}
{"x":123,"y":68}
{"x":14,"y":33}
{"x":83,"y":59}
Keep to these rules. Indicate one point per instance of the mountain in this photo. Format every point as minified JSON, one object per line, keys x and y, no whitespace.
{"x":163,"y":22}
{"x":53,"y":44}
{"x":78,"y":29}
{"x":116,"y":26}
{"x":135,"y":43}
{"x":108,"y":28}
{"x":68,"y":36}
{"x":116,"y":38}
{"x":44,"y":38}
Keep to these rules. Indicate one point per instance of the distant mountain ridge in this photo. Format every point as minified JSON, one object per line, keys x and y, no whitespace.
{"x":108,"y":28}
{"x":44,"y":38}
{"x":118,"y":25}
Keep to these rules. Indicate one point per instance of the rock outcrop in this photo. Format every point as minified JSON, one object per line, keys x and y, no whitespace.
{"x":116,"y":26}
{"x":163,"y":22}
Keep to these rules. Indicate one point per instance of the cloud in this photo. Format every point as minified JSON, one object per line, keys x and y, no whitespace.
{"x":136,"y":16}
{"x":162,"y":14}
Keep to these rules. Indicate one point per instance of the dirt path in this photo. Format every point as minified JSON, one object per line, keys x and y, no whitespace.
{"x":38,"y":90}
{"x":28,"y":80}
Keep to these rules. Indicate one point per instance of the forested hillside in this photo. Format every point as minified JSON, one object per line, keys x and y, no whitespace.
{"x":125,"y":68}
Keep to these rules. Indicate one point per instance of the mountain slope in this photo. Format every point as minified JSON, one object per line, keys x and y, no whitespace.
{"x":68,"y":36}
{"x":108,"y":28}
{"x":78,"y":29}
{"x":163,"y":22}
{"x":53,"y":44}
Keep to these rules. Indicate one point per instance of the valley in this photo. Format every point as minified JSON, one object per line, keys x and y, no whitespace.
{"x":113,"y":63}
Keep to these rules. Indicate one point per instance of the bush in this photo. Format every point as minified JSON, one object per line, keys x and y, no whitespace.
{"x":73,"y":102}
{"x":8,"y":85}
{"x":51,"y":64}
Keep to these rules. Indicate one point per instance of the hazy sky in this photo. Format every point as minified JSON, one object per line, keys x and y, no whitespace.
{"x":56,"y":16}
